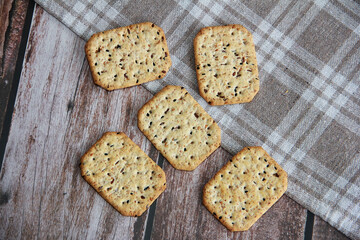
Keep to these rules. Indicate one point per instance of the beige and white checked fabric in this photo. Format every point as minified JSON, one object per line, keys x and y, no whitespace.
{"x":307,"y":113}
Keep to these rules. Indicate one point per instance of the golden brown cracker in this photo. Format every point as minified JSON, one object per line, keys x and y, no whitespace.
{"x":122,"y":174}
{"x":245,"y":188}
{"x":226,"y":65}
{"x":179,"y":128}
{"x":128,"y":56}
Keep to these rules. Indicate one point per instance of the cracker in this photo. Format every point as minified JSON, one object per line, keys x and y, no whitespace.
{"x":245,"y":188}
{"x":128,"y":56}
{"x":179,"y":128}
{"x":226,"y":65}
{"x":122,"y":174}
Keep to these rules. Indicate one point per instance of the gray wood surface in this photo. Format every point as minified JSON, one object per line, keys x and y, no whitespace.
{"x":59,"y":113}
{"x":323,"y":230}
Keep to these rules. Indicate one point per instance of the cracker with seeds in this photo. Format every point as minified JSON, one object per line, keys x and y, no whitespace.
{"x":179,"y":128}
{"x":245,"y":188}
{"x":128,"y":56}
{"x":122,"y":174}
{"x":226,"y":65}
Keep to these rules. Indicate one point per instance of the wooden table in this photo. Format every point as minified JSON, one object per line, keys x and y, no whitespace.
{"x":51,"y":112}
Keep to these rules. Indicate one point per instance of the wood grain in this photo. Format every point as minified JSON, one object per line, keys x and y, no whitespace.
{"x":59,"y":113}
{"x":12,"y":19}
{"x":181,"y":215}
{"x":323,"y":230}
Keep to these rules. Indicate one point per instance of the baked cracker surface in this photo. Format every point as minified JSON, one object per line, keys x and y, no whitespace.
{"x":179,"y":128}
{"x":226,"y":65}
{"x":245,"y":188}
{"x":122,"y":174}
{"x":128,"y":56}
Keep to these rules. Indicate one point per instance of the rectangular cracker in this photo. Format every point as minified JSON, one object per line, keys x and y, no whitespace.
{"x":122,"y":174}
{"x":128,"y":56}
{"x":226,"y":65}
{"x":179,"y":128}
{"x":245,"y":188}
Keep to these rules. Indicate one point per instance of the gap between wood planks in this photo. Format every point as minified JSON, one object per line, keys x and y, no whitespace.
{"x":309,"y":225}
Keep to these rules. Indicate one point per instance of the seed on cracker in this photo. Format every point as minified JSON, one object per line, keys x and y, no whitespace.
{"x":128,"y":56}
{"x":226,"y":65}
{"x":122,"y":174}
{"x":179,"y":128}
{"x":245,"y":188}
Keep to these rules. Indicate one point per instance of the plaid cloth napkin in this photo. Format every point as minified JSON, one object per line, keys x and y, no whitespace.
{"x":307,"y":113}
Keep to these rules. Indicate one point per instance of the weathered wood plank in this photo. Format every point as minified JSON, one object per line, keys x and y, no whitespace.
{"x":59,"y":113}
{"x":181,"y":215}
{"x":323,"y":230}
{"x":12,"y":19}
